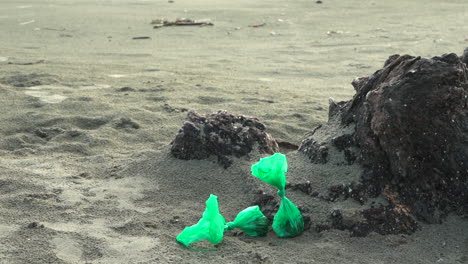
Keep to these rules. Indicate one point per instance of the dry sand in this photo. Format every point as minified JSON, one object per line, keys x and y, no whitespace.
{"x":89,"y":159}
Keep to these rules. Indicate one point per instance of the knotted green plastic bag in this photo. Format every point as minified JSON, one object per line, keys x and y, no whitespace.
{"x":250,"y":220}
{"x":272,"y":170}
{"x":288,"y":221}
{"x":210,"y":227}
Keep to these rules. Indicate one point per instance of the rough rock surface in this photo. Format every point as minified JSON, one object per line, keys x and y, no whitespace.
{"x":221,"y":134}
{"x":407,"y":126}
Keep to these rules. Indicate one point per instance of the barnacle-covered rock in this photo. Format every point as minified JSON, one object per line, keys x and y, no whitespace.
{"x":221,"y":134}
{"x":407,"y":127}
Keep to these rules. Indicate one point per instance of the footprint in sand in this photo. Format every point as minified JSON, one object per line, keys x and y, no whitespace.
{"x":44,"y":93}
{"x":77,"y":242}
{"x":67,"y":249}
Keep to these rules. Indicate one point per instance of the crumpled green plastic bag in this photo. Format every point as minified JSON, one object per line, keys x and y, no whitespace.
{"x":250,"y":220}
{"x":288,"y":221}
{"x":272,"y":170}
{"x":210,"y":227}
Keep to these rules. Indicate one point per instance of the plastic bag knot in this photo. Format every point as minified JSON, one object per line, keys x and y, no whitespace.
{"x":229,"y":226}
{"x":282,"y":193}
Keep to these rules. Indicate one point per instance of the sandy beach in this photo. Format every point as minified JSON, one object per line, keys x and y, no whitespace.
{"x":92,"y":95}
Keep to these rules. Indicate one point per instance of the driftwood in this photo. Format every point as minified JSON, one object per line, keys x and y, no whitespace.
{"x":158,"y":23}
{"x":258,"y":25}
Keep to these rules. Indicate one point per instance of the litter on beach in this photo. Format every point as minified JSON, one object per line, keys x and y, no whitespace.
{"x":258,"y":25}
{"x":158,"y":23}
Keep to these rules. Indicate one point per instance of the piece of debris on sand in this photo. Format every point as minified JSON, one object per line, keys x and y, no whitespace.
{"x":158,"y":23}
{"x":258,"y":25}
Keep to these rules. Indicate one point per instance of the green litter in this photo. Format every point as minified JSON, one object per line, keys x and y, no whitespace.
{"x":212,"y":225}
{"x":272,"y":170}
{"x":288,"y":221}
{"x":250,"y":220}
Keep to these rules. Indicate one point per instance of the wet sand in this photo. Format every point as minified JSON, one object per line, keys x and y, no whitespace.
{"x":88,"y":114}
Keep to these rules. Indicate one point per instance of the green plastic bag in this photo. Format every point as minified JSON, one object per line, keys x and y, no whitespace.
{"x":250,"y":220}
{"x":272,"y":170}
{"x":210,"y":227}
{"x":288,"y":221}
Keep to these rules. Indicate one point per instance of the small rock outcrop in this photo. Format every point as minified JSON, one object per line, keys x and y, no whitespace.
{"x":407,"y":127}
{"x":221,"y":134}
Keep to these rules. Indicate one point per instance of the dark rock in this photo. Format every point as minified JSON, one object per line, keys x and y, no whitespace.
{"x":394,"y":218}
{"x":304,"y":187}
{"x":464,"y":57}
{"x":343,"y":142}
{"x":349,"y":156}
{"x":408,"y":128}
{"x":317,"y":153}
{"x":221,"y":134}
{"x":384,"y":220}
{"x":225,"y":161}
{"x":314,"y":194}
{"x":336,"y":219}
{"x":34,"y":225}
{"x":354,"y":190}
{"x":411,"y":125}
{"x":334,"y":107}
{"x":359,"y":82}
